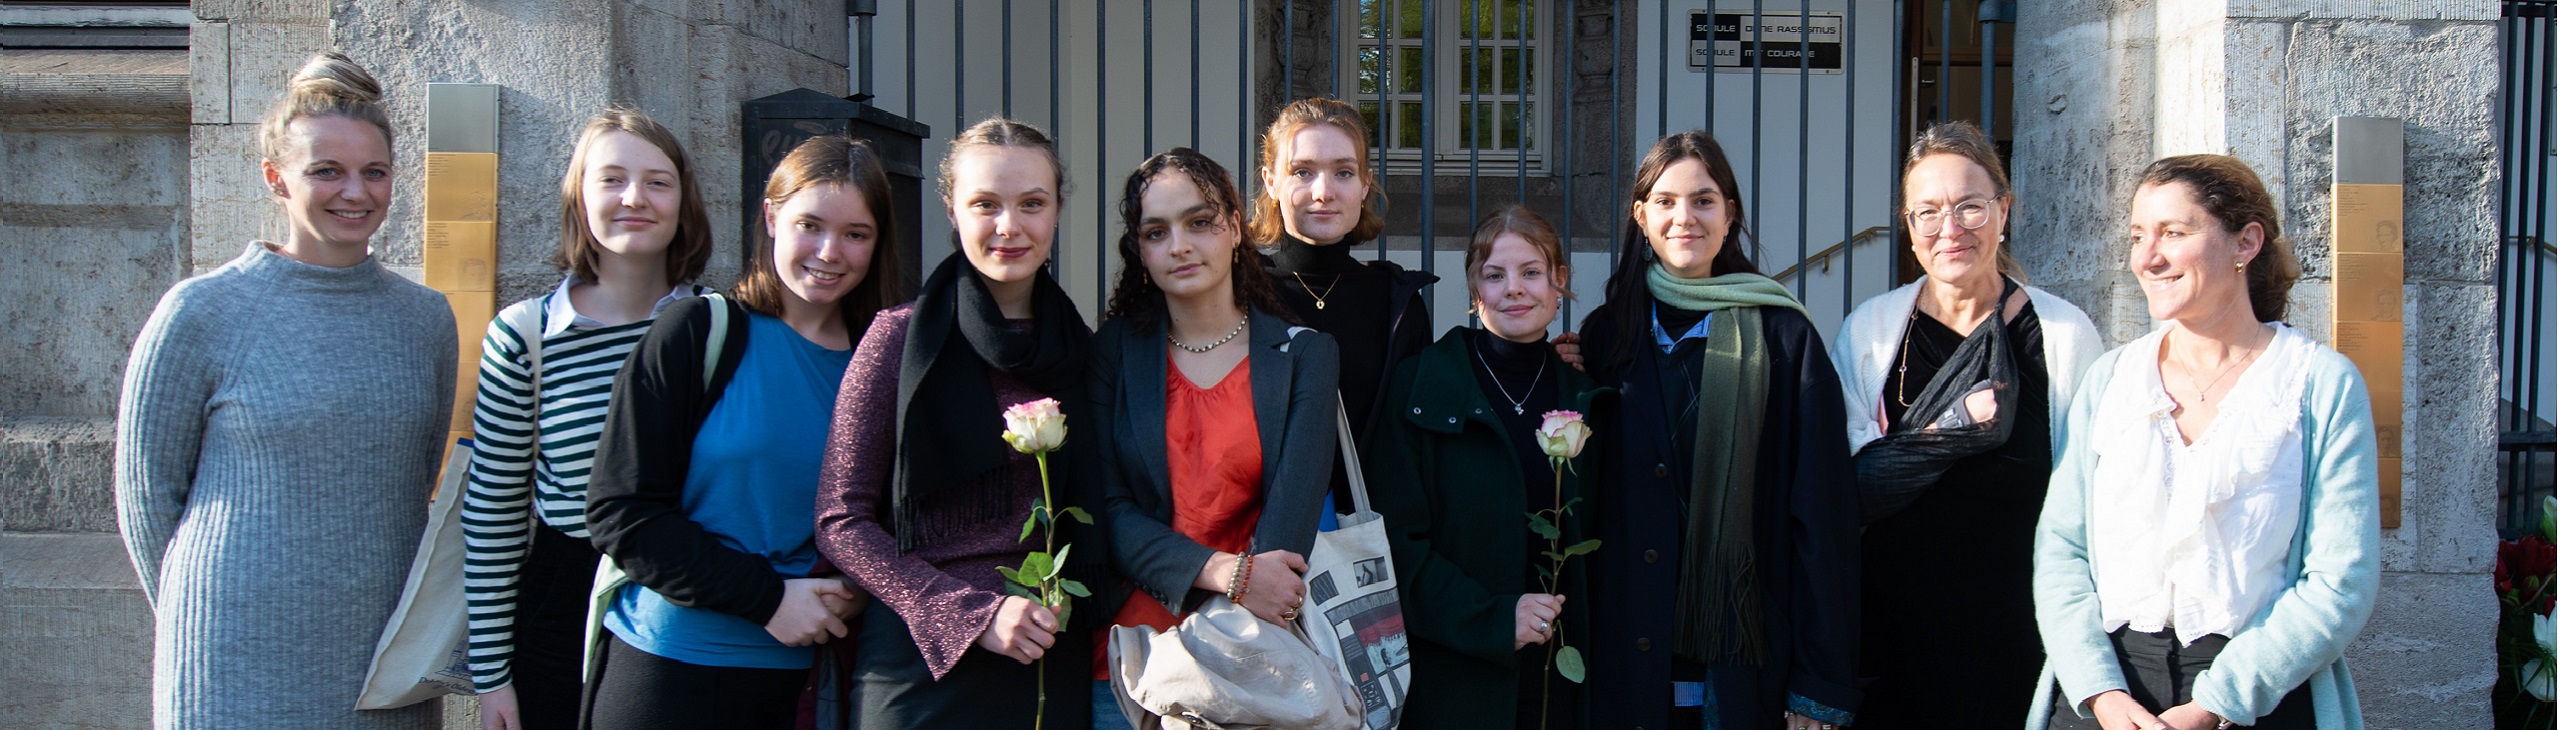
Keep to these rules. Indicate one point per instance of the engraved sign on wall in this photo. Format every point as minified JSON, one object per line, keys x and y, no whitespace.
{"x":1727,"y":39}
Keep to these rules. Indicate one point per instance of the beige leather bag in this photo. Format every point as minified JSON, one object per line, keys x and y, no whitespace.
{"x":1221,"y":668}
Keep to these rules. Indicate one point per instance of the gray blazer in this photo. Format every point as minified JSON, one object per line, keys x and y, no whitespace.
{"x":1294,"y":399}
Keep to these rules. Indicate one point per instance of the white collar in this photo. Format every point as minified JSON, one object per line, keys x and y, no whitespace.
{"x":559,"y":314}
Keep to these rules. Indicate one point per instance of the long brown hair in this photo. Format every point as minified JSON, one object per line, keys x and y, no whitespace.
{"x":691,"y":249}
{"x":1626,"y":289}
{"x":846,"y":164}
{"x":1269,"y":224}
{"x":1962,"y":139}
{"x":1136,"y":296}
{"x":2229,"y":191}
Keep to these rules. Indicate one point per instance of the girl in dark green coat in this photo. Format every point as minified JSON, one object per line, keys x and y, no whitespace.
{"x":1457,"y":468}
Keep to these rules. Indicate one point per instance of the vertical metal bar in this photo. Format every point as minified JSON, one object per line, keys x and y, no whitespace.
{"x":910,"y":57}
{"x":1990,"y":73}
{"x":1056,"y":116}
{"x":1564,"y":147}
{"x":1333,"y":82}
{"x":1804,"y":142}
{"x":1390,"y":13}
{"x":1245,"y":162}
{"x":1946,"y":38}
{"x":862,"y":36}
{"x":1901,"y":120}
{"x":1849,"y":159}
{"x":1759,"y":58}
{"x":1289,"y":51}
{"x":2542,"y":213}
{"x":1662,"y":69}
{"x":1709,"y":123}
{"x":1519,"y":100}
{"x":1147,"y":31}
{"x":2508,"y":53}
{"x":1617,"y":147}
{"x":1101,"y":130}
{"x":1430,"y":115}
{"x":1471,"y":124}
{"x":959,"y":68}
{"x":1194,"y":73}
{"x":1007,"y":104}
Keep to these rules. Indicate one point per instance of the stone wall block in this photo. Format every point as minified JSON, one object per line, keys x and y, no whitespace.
{"x":818,"y":27}
{"x":79,"y":295}
{"x":96,"y":167}
{"x":75,"y":633}
{"x":2442,"y":91}
{"x":57,"y":474}
{"x":209,"y":73}
{"x":264,"y":56}
{"x":2363,"y":9}
{"x":2411,"y":669}
{"x":265,"y":10}
{"x":2449,"y":491}
{"x":229,"y":201}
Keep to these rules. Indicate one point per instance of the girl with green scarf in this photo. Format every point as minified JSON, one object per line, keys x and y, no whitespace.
{"x":1726,"y":594}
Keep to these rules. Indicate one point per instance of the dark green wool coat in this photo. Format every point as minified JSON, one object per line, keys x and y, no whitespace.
{"x":1441,"y":471}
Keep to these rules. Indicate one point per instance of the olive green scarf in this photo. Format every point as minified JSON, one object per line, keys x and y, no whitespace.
{"x":1718,"y":601}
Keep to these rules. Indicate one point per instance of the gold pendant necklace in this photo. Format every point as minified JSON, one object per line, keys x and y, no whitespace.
{"x":1311,"y":291}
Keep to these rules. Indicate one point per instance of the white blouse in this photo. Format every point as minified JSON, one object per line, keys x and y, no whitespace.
{"x":2194,"y":536}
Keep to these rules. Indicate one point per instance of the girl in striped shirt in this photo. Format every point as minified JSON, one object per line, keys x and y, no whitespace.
{"x":633,"y":237}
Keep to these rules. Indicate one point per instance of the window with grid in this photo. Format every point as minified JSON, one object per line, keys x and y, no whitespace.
{"x":1486,"y":93}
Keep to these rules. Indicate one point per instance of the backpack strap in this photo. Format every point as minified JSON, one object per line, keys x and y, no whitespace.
{"x":712,"y":351}
{"x":529,"y":323}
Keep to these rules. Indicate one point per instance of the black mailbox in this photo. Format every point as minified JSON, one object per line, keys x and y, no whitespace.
{"x":775,"y":124}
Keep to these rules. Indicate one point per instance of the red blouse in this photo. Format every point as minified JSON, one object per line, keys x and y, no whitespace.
{"x":1214,"y":450}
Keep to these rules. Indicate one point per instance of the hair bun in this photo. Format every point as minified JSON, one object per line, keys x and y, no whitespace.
{"x":332,"y":76}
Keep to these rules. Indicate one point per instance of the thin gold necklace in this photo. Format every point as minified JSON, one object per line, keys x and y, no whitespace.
{"x":1311,"y":291}
{"x":2227,"y":369}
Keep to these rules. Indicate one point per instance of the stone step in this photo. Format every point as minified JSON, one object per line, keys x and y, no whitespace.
{"x":57,"y":474}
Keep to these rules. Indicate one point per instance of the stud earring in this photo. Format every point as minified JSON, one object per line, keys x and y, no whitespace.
{"x":2240,"y":268}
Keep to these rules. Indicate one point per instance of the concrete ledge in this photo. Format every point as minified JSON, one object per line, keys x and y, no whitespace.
{"x":75,"y":633}
{"x":57,"y":475}
{"x":149,"y":83}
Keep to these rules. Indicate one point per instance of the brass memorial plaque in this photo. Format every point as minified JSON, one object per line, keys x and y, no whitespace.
{"x":2367,"y":259}
{"x":460,"y":235}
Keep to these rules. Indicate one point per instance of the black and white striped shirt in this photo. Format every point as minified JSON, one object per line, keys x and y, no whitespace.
{"x":580,"y":357}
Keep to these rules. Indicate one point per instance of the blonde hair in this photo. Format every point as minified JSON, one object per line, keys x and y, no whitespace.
{"x":999,"y":131}
{"x":691,"y":249}
{"x":1268,"y":224}
{"x":1519,"y":220}
{"x":328,"y":85}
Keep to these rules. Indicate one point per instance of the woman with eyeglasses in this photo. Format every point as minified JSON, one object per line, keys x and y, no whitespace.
{"x":1953,"y":385}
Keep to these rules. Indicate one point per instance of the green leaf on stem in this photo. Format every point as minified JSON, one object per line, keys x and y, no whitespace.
{"x":1539,"y":523}
{"x":1551,"y":555}
{"x":1017,"y":589}
{"x":1037,"y":566}
{"x":1547,"y":573}
{"x":1078,"y":513}
{"x":1582,"y":548}
{"x":1075,"y":588}
{"x":1027,"y":523}
{"x":1058,"y":563}
{"x":1569,"y":664}
{"x":1011,"y":576}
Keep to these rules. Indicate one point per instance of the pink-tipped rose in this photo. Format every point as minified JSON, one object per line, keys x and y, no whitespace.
{"x":1562,"y":433}
{"x":1035,"y":427}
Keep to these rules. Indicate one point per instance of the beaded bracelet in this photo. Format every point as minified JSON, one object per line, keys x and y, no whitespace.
{"x":1239,"y":581}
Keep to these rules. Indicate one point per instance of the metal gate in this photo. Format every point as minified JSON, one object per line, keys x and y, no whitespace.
{"x":2525,"y":362}
{"x":1474,"y":103}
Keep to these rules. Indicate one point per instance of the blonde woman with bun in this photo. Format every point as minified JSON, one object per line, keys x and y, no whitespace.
{"x":280,"y":429}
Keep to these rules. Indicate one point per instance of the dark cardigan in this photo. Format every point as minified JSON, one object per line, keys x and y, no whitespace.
{"x":1805,"y":535}
{"x":1294,"y":399}
{"x":635,"y":495}
{"x":1443,"y":472}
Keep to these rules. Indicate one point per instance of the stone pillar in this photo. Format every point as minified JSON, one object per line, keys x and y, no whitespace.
{"x":2105,"y":86}
{"x":686,"y":64}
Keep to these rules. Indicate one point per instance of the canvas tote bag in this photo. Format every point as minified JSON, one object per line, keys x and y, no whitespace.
{"x":424,"y":652}
{"x":1352,"y":612}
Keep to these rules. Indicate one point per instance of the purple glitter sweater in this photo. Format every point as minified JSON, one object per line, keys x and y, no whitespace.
{"x":948,"y":589}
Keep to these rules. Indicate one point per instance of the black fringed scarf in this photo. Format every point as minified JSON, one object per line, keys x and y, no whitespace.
{"x":951,"y":453}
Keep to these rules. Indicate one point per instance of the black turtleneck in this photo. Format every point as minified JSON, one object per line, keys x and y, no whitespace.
{"x":1355,"y":312}
{"x":1526,"y":370}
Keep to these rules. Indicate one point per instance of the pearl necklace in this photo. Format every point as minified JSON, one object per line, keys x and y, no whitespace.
{"x":1204,"y":349}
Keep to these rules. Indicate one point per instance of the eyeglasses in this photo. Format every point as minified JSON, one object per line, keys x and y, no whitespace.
{"x":1968,"y":215}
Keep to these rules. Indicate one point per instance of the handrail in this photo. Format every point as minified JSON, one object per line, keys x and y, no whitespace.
{"x":1834,"y":250}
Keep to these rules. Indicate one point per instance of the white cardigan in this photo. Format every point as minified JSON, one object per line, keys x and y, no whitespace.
{"x":1870,"y":337}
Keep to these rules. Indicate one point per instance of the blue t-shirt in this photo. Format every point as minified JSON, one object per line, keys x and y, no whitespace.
{"x":753,"y":483}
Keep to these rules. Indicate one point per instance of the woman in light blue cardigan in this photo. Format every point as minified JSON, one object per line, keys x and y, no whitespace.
{"x":2233,"y":461}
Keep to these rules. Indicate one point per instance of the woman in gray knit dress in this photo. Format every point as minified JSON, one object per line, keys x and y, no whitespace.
{"x":280,"y":430}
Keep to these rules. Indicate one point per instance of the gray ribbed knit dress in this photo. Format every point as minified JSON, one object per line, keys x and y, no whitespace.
{"x":280,"y":431}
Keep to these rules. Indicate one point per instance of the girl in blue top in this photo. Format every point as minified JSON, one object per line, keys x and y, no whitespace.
{"x":705,"y":484}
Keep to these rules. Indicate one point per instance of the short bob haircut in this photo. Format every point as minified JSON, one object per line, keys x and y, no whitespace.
{"x":1519,"y":220}
{"x":691,"y":249}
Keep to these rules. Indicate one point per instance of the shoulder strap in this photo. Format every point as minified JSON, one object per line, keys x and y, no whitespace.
{"x":530,"y":332}
{"x":719,"y":338}
{"x":1350,"y":456}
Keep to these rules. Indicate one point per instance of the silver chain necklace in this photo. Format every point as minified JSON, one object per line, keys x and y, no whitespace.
{"x":1204,"y":349}
{"x":1519,"y":405}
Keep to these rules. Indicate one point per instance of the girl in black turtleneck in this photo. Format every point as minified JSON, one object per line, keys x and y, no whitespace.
{"x":1316,"y":186}
{"x":1456,"y":466}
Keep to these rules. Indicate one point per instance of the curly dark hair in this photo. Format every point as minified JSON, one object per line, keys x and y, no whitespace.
{"x":1136,"y":297}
